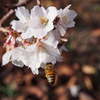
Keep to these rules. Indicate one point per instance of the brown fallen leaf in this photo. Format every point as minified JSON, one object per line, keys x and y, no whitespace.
{"x":88,"y":83}
{"x":96,"y":33}
{"x":84,"y":96}
{"x":88,"y":69}
{"x":71,"y":82}
{"x":20,"y":97}
{"x":65,"y":70}
{"x":34,"y":90}
{"x":28,"y":77}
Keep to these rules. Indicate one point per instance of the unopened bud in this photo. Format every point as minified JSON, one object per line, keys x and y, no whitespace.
{"x":16,"y":45}
{"x":8,"y":42}
{"x":10,"y":33}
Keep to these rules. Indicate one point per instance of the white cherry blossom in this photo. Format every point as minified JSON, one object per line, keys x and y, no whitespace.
{"x":35,"y":36}
{"x":56,"y":34}
{"x":65,"y":21}
{"x":42,"y":53}
{"x":22,"y":25}
{"x":50,"y":39}
{"x":41,"y":20}
{"x":23,"y":15}
{"x":16,"y":55}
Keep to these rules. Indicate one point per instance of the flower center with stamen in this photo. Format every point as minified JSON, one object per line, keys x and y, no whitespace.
{"x":41,"y":49}
{"x":43,"y":20}
{"x":26,"y":23}
{"x":64,"y":19}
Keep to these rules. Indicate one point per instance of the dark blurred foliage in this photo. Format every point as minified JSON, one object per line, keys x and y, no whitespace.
{"x":77,"y":77}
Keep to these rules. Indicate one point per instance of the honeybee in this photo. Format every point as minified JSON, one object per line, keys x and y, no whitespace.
{"x":50,"y":73}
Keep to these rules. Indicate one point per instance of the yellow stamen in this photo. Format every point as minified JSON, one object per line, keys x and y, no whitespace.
{"x":43,"y":20}
{"x":26,"y":23}
{"x":64,"y":19}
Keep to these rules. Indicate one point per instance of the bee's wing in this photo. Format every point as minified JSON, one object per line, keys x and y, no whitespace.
{"x":41,"y":72}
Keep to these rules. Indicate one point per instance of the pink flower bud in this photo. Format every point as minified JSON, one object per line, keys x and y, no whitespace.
{"x":10,"y":33}
{"x":8,"y":42}
{"x":16,"y":45}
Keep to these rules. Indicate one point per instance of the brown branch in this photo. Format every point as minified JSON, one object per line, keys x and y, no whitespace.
{"x":13,"y":6}
{"x":4,"y":30}
{"x":5,"y":17}
{"x":11,"y":11}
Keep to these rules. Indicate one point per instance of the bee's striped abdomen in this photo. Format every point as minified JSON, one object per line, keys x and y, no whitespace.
{"x":51,"y":78}
{"x":50,"y":73}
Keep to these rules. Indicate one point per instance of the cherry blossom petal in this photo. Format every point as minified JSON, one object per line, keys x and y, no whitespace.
{"x":40,"y":33}
{"x":44,"y":56}
{"x":31,"y":47}
{"x":52,"y":12}
{"x":49,"y":26}
{"x":35,"y":23}
{"x":71,"y":14}
{"x":28,"y":33}
{"x":22,"y":13}
{"x":50,"y":40}
{"x":35,"y":61}
{"x":70,"y":24}
{"x":35,"y":71}
{"x":17,"y":25}
{"x":56,"y":35}
{"x":38,"y":11}
{"x":61,"y":30}
{"x":6,"y":57}
{"x":43,"y":65}
{"x":18,"y":63}
{"x":63,"y":48}
{"x":55,"y":52}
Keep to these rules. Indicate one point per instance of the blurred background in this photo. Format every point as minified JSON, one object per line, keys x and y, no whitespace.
{"x":77,"y":77}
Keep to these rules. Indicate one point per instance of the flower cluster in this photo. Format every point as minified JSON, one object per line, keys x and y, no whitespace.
{"x":34,"y":38}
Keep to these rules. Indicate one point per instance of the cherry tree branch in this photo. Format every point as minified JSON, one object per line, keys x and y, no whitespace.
{"x":5,"y":17}
{"x":11,"y":11}
{"x":4,"y":30}
{"x":13,"y":6}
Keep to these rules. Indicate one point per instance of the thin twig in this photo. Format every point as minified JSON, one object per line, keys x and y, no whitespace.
{"x":38,"y":2}
{"x":5,"y":17}
{"x":4,"y":30}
